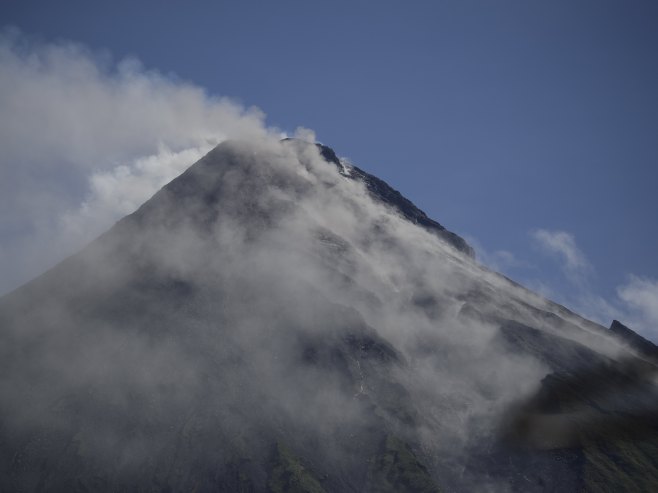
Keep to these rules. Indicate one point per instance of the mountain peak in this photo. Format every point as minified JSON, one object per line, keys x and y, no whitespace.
{"x":634,"y":340}
{"x":265,"y":324}
{"x":383,"y":192}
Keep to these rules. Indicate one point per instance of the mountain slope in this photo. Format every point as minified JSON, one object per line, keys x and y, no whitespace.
{"x":276,"y":319}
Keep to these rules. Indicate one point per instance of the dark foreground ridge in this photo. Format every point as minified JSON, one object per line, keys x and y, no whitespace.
{"x":261,"y":325}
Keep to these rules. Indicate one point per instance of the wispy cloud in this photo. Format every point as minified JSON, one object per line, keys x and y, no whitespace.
{"x":563,"y":245}
{"x":500,"y":260}
{"x":636,"y":300}
{"x":641,"y":295}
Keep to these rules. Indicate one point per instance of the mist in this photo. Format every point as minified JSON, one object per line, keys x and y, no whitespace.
{"x":266,"y":296}
{"x":87,"y":139}
{"x":261,"y":296}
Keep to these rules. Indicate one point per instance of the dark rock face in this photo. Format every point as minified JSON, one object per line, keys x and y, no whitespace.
{"x":634,"y":340}
{"x":386,"y":194}
{"x":265,"y":324}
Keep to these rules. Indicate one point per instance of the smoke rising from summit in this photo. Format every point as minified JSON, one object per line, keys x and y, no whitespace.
{"x":87,"y":139}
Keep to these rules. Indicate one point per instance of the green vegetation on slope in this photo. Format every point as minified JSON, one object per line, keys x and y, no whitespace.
{"x":621,"y":465}
{"x":288,"y":475}
{"x":397,"y":470}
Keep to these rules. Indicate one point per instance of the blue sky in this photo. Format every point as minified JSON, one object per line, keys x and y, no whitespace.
{"x":529,"y":127}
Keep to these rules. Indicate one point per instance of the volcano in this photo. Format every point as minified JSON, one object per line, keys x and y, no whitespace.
{"x":277,"y":319}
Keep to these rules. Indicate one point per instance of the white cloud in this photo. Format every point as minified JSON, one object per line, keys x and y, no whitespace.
{"x":305,"y":134}
{"x":121,"y":190}
{"x":635,"y":305}
{"x":499,"y":260}
{"x":86,"y":140}
{"x":563,"y":245}
{"x":67,"y":101}
{"x":641,"y":296}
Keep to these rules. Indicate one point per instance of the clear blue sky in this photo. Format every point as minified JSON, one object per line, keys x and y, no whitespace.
{"x":496,"y":118}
